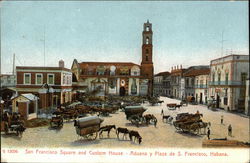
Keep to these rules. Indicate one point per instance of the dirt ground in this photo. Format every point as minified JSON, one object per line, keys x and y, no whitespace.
{"x":164,"y":135}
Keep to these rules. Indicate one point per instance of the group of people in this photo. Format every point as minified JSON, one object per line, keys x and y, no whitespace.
{"x":221,"y":121}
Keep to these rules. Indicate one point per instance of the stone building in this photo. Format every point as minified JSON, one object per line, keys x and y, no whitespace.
{"x":228,"y":81}
{"x":118,"y":78}
{"x":201,"y":85}
{"x":162,"y":84}
{"x":7,"y":80}
{"x":190,"y":77}
{"x":26,"y":105}
{"x":53,"y":85}
{"x":177,"y":84}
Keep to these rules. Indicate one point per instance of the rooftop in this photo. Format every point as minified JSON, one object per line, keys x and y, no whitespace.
{"x":196,"y":72}
{"x":41,"y":68}
{"x":166,"y":73}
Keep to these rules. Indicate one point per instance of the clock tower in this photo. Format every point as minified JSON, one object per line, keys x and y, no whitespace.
{"x":147,"y":67}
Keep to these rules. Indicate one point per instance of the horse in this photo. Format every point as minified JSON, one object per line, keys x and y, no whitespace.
{"x":204,"y":125}
{"x":136,"y":136}
{"x":169,"y":120}
{"x":20,"y":129}
{"x":165,"y":117}
{"x":178,"y":106}
{"x":125,"y":131}
{"x":106,"y":128}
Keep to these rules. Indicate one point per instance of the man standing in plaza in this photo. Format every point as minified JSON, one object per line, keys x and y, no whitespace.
{"x":230,"y":130}
{"x":221,"y":120}
{"x":208,"y":133}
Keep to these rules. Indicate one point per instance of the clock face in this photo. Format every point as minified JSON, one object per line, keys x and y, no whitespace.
{"x":122,"y":82}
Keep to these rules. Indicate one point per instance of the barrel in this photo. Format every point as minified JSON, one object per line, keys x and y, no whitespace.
{"x":88,"y":121}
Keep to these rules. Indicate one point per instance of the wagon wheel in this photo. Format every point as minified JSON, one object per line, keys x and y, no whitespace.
{"x":176,"y":126}
{"x":17,"y":132}
{"x":92,"y":136}
{"x":50,"y":123}
{"x":6,"y":128}
{"x":20,"y":133}
{"x":61,"y":122}
{"x":195,"y":131}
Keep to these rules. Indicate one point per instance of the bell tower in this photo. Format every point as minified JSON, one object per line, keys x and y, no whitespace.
{"x":147,"y":67}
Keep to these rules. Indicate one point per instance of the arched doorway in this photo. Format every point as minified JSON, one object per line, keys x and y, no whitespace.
{"x":218,"y":101}
{"x":122,"y":91}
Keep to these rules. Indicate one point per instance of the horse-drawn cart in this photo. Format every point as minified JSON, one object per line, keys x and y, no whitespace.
{"x":88,"y":127}
{"x":56,"y":120}
{"x":191,"y":123}
{"x":171,"y":106}
{"x":134,"y":114}
{"x":12,"y":123}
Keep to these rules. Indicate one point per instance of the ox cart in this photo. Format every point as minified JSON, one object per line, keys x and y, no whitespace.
{"x":191,"y":100}
{"x":134,"y":114}
{"x":88,"y":127}
{"x":184,"y":102}
{"x":191,"y":123}
{"x":56,"y":120}
{"x":12,"y":123}
{"x":171,"y":106}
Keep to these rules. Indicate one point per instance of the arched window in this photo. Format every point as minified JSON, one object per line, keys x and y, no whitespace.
{"x":147,"y":40}
{"x":112,"y":70}
{"x":146,"y":58}
{"x":146,"y":51}
{"x":219,"y":78}
{"x":147,"y":28}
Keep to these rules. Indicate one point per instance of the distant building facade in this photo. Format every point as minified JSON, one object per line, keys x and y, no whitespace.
{"x":162,"y":85}
{"x":193,"y":82}
{"x":7,"y":86}
{"x":7,"y":80}
{"x":177,"y":84}
{"x":26,"y":105}
{"x":118,"y":78}
{"x":228,"y":81}
{"x":53,"y":85}
{"x":201,"y":86}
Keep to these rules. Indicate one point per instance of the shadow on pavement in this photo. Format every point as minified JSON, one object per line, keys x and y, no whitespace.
{"x":11,"y":135}
{"x":188,"y":134}
{"x":84,"y":142}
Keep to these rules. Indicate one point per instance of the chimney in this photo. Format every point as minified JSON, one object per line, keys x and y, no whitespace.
{"x":181,"y":66}
{"x":61,"y":63}
{"x":177,"y":67}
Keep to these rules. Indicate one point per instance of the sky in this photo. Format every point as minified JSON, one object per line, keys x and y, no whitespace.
{"x":184,"y":33}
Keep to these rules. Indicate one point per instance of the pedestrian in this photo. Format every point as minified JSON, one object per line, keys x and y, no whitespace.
{"x":208,"y":134}
{"x":230,"y":130}
{"x":221,"y":120}
{"x":162,"y":113}
{"x":155,"y":122}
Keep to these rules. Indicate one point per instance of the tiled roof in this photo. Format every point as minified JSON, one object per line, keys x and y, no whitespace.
{"x":166,"y":73}
{"x":117,"y":64}
{"x":196,"y":72}
{"x":30,"y":96}
{"x":42,"y":68}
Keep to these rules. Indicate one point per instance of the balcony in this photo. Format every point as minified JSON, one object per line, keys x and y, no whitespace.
{"x":202,"y":86}
{"x":225,"y":83}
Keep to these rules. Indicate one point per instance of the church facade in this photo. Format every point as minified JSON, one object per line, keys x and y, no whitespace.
{"x":118,"y":78}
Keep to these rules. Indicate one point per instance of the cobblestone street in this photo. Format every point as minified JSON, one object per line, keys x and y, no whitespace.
{"x":164,"y":135}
